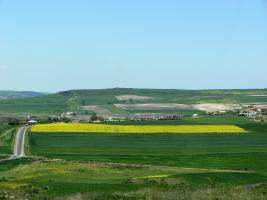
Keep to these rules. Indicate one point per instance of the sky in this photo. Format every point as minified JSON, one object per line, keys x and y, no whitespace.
{"x":55,"y":45}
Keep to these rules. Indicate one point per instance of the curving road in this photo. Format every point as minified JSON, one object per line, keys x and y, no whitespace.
{"x":19,"y":142}
{"x":18,"y":150}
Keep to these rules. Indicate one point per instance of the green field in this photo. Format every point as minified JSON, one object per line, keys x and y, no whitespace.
{"x":217,"y":162}
{"x":36,"y":178}
{"x":161,"y":149}
{"x":6,"y":139}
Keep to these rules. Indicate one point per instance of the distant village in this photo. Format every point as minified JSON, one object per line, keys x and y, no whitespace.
{"x":256,"y":112}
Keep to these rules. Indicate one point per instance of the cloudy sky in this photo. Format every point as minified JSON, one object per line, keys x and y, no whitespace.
{"x":49,"y":45}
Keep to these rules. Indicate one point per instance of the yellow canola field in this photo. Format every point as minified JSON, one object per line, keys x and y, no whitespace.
{"x":107,"y":128}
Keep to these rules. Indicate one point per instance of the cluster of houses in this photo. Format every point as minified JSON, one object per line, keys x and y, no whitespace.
{"x":68,"y":114}
{"x":155,"y":117}
{"x":220,"y":112}
{"x":31,"y":119}
{"x":253,"y":111}
{"x":143,"y":117}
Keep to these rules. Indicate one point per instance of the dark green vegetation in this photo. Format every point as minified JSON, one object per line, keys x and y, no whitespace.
{"x":73,"y":100}
{"x":6,"y":139}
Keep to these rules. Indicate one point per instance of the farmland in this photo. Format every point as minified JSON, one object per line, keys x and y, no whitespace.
{"x":161,"y":149}
{"x":208,"y":157}
{"x":141,"y":166}
{"x":105,"y":128}
{"x":243,"y":153}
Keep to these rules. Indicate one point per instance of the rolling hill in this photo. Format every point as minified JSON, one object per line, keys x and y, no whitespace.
{"x":8,"y":94}
{"x":107,"y":99}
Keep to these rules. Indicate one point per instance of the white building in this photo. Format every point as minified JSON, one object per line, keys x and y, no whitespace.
{"x":32,"y":122}
{"x":195,"y":115}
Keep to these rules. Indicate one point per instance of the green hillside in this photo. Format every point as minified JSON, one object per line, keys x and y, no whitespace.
{"x":73,"y":100}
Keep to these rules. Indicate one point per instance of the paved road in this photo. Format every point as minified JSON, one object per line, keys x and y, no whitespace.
{"x":18,"y":150}
{"x":19,"y":142}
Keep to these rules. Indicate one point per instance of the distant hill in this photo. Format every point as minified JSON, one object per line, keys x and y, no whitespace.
{"x":8,"y":94}
{"x":107,"y":100}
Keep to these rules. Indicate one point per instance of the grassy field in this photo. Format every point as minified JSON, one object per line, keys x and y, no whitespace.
{"x":146,"y":129}
{"x":6,"y":139}
{"x":194,"y":150}
{"x":47,"y":104}
{"x":39,"y":178}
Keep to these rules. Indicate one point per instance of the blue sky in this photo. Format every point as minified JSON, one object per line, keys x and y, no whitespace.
{"x":49,"y":45}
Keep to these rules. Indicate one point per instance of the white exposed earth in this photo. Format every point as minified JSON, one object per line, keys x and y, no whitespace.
{"x":152,"y":106}
{"x":132,"y":97}
{"x":207,"y":107}
{"x":213,"y":107}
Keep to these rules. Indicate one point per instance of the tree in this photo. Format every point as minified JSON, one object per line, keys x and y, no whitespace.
{"x":13,"y":121}
{"x":93,"y":117}
{"x":83,"y":102}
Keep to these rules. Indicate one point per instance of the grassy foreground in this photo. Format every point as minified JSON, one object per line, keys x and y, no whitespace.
{"x":107,"y":128}
{"x":43,"y":178}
